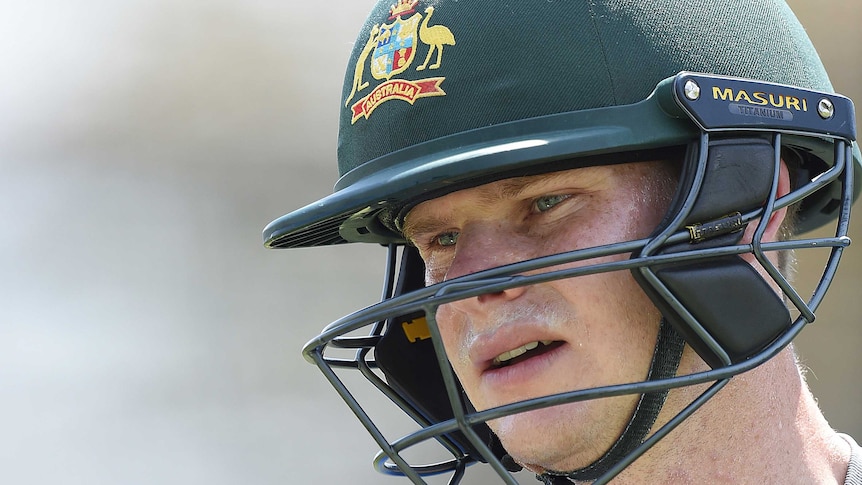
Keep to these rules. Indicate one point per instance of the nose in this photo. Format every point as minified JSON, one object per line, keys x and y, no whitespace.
{"x":484,"y":246}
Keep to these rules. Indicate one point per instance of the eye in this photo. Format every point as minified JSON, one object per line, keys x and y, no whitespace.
{"x":447,"y":239}
{"x":546,"y":203}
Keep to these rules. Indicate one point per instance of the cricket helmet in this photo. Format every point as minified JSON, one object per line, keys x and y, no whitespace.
{"x":444,"y":95}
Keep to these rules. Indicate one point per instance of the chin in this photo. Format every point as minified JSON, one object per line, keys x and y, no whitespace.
{"x":548,"y":438}
{"x":565,"y":437}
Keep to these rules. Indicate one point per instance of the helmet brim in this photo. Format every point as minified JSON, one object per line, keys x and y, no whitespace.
{"x":383,"y":186}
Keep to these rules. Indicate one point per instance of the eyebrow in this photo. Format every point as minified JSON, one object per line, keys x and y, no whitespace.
{"x":425,"y":225}
{"x":488,"y":195}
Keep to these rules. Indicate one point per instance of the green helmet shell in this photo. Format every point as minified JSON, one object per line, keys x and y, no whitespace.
{"x":444,"y":94}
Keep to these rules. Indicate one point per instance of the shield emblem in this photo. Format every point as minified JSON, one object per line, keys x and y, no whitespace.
{"x":396,"y":47}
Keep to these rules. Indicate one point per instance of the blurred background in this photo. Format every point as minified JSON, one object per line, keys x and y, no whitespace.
{"x":145,"y":334}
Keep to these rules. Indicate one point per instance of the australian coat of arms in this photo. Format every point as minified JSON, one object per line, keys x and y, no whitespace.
{"x":392,"y":48}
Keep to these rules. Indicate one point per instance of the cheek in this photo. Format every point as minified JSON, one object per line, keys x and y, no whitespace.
{"x":610,"y":219}
{"x":598,"y":226}
{"x":455,"y":334}
{"x":436,"y":266}
{"x":618,"y":326}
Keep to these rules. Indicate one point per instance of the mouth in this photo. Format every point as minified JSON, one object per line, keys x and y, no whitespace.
{"x":524,"y":352}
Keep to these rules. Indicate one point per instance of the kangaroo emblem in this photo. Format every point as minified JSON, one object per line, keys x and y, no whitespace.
{"x":358,"y":85}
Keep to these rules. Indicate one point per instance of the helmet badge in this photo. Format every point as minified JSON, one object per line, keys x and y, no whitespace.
{"x":392,"y":48}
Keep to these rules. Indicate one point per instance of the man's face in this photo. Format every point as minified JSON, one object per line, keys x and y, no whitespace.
{"x":553,"y":337}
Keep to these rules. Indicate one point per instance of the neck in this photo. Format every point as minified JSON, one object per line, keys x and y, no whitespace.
{"x":762,"y":427}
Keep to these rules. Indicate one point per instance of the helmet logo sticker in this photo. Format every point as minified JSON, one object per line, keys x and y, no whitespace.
{"x":392,"y":48}
{"x":416,"y":330}
{"x":760,"y":104}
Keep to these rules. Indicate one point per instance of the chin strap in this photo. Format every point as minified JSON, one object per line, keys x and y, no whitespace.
{"x":665,"y":361}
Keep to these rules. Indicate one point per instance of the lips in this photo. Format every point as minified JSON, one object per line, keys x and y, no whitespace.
{"x":512,"y":344}
{"x":522,"y":376}
{"x":523,"y":352}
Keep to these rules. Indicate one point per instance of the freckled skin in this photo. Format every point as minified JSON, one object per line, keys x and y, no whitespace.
{"x":606,"y":322}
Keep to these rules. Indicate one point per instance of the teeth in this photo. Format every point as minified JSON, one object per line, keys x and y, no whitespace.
{"x":507,"y":356}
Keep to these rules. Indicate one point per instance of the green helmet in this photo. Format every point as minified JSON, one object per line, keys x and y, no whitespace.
{"x":444,"y":95}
